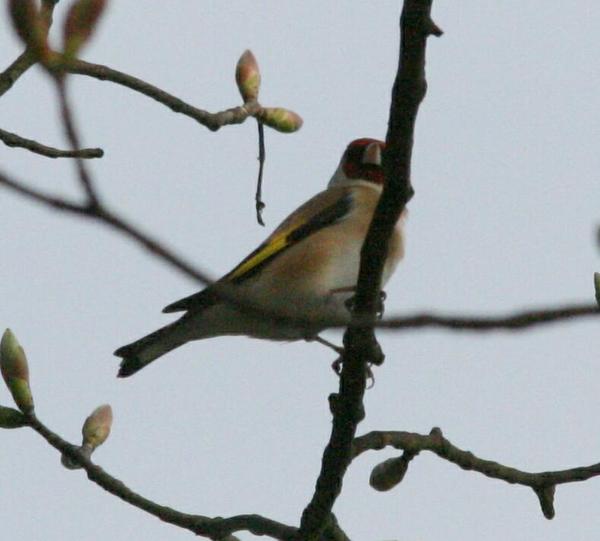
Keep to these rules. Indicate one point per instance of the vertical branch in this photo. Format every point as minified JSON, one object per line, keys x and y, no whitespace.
{"x":73,"y":138}
{"x":407,"y":93}
{"x":361,"y":347}
{"x":260,"y":204}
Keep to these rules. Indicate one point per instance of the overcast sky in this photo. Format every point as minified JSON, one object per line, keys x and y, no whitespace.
{"x":506,"y":168}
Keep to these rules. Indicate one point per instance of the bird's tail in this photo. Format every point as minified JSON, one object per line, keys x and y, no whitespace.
{"x":149,"y":348}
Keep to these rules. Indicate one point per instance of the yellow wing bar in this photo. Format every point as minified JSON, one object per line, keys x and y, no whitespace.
{"x":263,"y":253}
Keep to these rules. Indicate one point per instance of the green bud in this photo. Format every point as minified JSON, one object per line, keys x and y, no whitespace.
{"x":96,"y":427}
{"x":82,"y":19}
{"x":13,"y":365}
{"x":280,"y":119}
{"x":388,"y":474}
{"x":10,"y":418}
{"x":247,"y":76}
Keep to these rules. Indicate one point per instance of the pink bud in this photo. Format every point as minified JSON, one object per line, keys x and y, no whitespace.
{"x":81,"y":21}
{"x":247,"y":76}
{"x":29,"y":25}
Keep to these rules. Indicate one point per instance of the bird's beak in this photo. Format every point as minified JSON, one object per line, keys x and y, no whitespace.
{"x":372,"y":154}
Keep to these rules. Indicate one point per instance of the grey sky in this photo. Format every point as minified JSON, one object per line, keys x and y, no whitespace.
{"x":505,"y":168}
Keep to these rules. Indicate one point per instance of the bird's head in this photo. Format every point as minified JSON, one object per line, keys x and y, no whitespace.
{"x":360,"y":161}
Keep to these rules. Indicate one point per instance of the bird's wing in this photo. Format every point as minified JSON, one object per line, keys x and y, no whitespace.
{"x":323,"y":210}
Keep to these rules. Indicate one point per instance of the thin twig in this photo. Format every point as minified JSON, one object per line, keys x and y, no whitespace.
{"x":520,"y":320}
{"x":359,"y":341}
{"x":26,"y":59}
{"x":214,"y":528}
{"x":517,"y":321}
{"x":73,"y":138}
{"x":111,"y":219}
{"x":213,"y":121}
{"x":38,"y":196}
{"x":10,"y":75}
{"x":13,"y":140}
{"x":435,"y":442}
{"x":260,"y":205}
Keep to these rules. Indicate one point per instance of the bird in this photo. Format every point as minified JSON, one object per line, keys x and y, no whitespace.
{"x":306,"y":270}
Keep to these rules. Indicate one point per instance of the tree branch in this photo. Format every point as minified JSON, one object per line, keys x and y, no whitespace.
{"x":10,"y":75}
{"x":213,"y":528}
{"x":73,"y":137}
{"x":111,"y":219}
{"x":512,"y":322}
{"x":542,"y":483}
{"x":361,"y":347}
{"x":14,"y":140}
{"x":517,"y":321}
{"x":213,"y":121}
{"x":26,"y":59}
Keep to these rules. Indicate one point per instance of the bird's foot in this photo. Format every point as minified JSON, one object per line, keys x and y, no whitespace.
{"x":379,"y":308}
{"x":337,"y":368}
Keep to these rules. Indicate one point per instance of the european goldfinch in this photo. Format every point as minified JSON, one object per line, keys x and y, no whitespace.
{"x":306,"y":269}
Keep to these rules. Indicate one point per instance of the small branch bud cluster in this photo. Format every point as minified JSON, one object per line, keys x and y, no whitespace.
{"x":31,"y":25}
{"x":247,"y":77}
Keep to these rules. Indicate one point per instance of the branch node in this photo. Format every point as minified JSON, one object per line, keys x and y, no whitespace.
{"x":436,"y":433}
{"x":545,"y":494}
{"x":433,"y":29}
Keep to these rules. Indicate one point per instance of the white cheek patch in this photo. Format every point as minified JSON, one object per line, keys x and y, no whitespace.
{"x":372,"y":154}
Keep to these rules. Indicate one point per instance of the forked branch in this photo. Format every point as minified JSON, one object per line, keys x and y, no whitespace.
{"x":543,"y":483}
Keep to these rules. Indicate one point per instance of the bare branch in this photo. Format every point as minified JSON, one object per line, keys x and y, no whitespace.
{"x":361,"y":347}
{"x":260,"y":205}
{"x":111,"y":219}
{"x":10,"y":75}
{"x":73,"y":138}
{"x":213,"y":528}
{"x":41,"y":197}
{"x":26,"y":59}
{"x":213,"y":121}
{"x":542,"y":483}
{"x":14,"y":140}
{"x":518,"y":321}
{"x":512,"y":322}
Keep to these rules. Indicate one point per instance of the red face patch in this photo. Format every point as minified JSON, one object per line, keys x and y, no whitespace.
{"x":353,"y":163}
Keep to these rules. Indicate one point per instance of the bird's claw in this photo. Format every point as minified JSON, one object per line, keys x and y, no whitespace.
{"x":337,"y":368}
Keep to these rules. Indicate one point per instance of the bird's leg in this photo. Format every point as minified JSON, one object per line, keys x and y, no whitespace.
{"x":338,"y":349}
{"x":337,"y":364}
